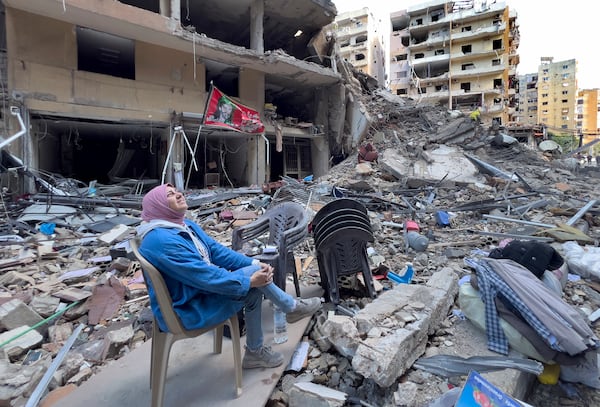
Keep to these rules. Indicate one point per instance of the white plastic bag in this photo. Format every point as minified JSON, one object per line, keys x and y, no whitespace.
{"x":583,"y":261}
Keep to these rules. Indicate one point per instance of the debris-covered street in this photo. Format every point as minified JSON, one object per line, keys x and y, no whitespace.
{"x":65,"y":261}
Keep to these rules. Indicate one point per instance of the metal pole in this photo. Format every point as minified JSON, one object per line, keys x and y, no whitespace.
{"x":43,"y":384}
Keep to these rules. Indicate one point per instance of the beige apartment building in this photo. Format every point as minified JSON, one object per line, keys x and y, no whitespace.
{"x":362,"y":42}
{"x":588,"y":114}
{"x":462,"y":54}
{"x":116,"y":90}
{"x":557,"y":94}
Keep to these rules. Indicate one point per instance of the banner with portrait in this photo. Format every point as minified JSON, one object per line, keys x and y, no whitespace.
{"x":222,"y":111}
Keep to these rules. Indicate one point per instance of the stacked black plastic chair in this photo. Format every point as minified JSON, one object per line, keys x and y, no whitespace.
{"x":286,"y":225}
{"x":341,"y":231}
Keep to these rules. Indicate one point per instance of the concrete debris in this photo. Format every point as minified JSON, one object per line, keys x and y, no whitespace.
{"x":66,"y":262}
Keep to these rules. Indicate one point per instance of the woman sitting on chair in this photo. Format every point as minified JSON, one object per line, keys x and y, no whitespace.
{"x":209,"y":282}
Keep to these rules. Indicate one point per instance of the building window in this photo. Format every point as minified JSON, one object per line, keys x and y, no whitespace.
{"x":466,"y":86}
{"x":105,"y":53}
{"x":497,"y":83}
{"x":544,"y":95}
{"x":467,"y":28}
{"x":466,"y":49}
{"x":565,"y":76}
{"x":423,"y":90}
{"x":565,"y":100}
{"x":401,"y":92}
{"x":496,"y":62}
{"x":566,"y":92}
{"x":360,"y":39}
{"x":565,"y":66}
{"x":402,"y":57}
{"x":359,"y":57}
{"x":497,"y":44}
{"x":401,"y":74}
{"x":466,"y":67}
{"x":544,"y":103}
{"x":439,"y":52}
{"x":419,"y":55}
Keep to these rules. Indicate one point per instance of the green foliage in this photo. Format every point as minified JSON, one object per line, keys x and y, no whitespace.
{"x":568,"y":142}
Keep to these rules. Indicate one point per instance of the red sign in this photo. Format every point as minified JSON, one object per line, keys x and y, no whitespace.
{"x":223,"y":112}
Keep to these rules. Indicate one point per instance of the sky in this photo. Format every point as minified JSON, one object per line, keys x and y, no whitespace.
{"x":548,"y":28}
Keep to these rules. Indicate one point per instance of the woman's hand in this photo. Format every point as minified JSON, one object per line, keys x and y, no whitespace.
{"x":262,"y":277}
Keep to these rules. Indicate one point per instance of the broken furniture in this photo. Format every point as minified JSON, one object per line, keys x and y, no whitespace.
{"x":162,"y":341}
{"x":286,"y":226}
{"x":341,"y":230}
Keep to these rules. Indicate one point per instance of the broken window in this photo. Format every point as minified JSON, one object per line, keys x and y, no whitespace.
{"x":423,"y":90}
{"x":401,"y":92}
{"x":360,"y":39}
{"x":402,"y":57}
{"x":497,"y":44}
{"x":466,"y":86}
{"x":104,"y":53}
{"x":497,"y":83}
{"x":406,"y":41}
{"x":466,"y":49}
{"x":496,"y":62}
{"x":435,"y":16}
{"x":439,"y":52}
{"x":418,"y":21}
{"x":359,"y":57}
{"x":345,"y":44}
{"x":419,"y":55}
{"x":466,"y":28}
{"x":466,"y":67}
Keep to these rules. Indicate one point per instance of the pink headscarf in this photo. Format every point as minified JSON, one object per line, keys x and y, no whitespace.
{"x":155,"y":206}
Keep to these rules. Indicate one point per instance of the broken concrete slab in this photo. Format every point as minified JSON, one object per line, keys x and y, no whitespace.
{"x":447,"y":163}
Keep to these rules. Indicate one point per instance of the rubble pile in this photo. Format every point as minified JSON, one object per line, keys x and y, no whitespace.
{"x":65,"y":273}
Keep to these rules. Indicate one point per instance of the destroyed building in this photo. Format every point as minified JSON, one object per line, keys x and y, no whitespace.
{"x":115,"y":91}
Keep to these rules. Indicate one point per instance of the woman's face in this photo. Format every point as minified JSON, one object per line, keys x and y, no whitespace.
{"x":176,"y":200}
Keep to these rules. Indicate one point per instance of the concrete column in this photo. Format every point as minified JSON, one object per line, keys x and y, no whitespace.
{"x":175,"y":9}
{"x":252,"y":94}
{"x":257,"y":15}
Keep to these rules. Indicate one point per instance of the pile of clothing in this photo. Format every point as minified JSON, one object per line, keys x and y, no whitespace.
{"x":514,"y":294}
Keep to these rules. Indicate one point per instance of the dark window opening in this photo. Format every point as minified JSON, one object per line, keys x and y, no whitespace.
{"x":467,"y":28}
{"x":150,"y":5}
{"x":359,"y":57}
{"x":466,"y":67}
{"x":439,"y":52}
{"x":565,"y":100}
{"x":495,"y":62}
{"x":423,"y":90}
{"x":497,"y":44}
{"x":497,"y":83}
{"x":419,"y":55}
{"x":406,"y":41}
{"x":466,"y":86}
{"x":419,"y":21}
{"x":401,"y":92}
{"x":104,"y":53}
{"x":360,"y":39}
{"x":466,"y":49}
{"x":402,"y":57}
{"x":345,"y":44}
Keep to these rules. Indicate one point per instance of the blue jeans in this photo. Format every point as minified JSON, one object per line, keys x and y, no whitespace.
{"x":253,"y":306}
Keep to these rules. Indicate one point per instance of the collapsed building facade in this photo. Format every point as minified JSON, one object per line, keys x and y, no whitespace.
{"x":461,"y":54}
{"x":115,"y":91}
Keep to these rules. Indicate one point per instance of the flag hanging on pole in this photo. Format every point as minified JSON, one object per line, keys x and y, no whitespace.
{"x":221,"y":111}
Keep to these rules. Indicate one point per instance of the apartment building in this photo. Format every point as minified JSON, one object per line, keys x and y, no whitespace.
{"x":557,"y":93}
{"x":116,"y":90}
{"x":527,"y":113}
{"x":462,"y":54}
{"x":361,"y":39}
{"x":588,"y":114}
